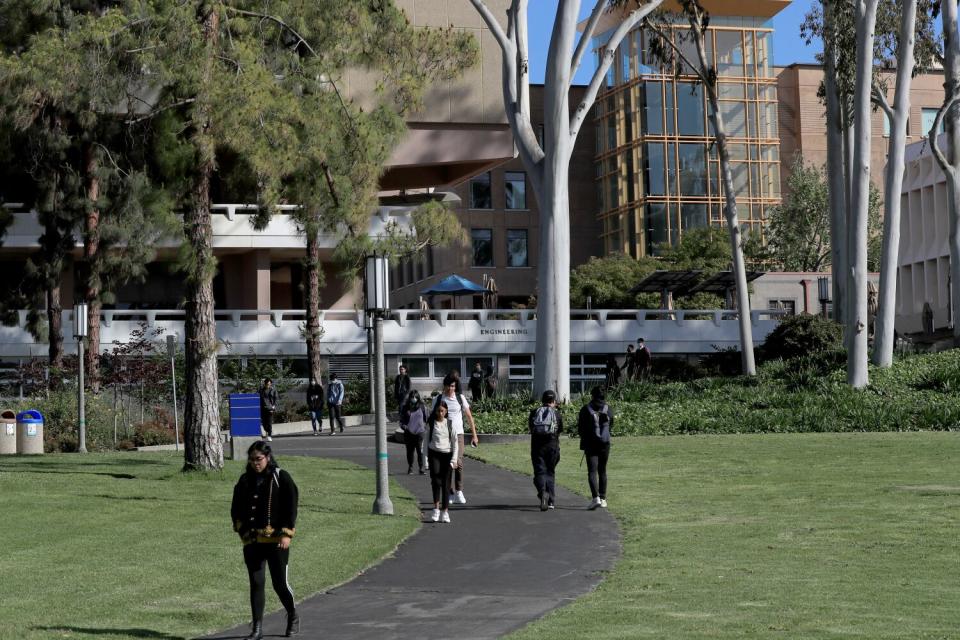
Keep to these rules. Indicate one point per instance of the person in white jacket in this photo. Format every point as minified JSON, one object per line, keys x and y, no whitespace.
{"x":442,"y":453}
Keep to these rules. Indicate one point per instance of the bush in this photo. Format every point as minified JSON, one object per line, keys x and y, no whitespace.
{"x":801,"y":335}
{"x":152,"y":433}
{"x":60,"y":420}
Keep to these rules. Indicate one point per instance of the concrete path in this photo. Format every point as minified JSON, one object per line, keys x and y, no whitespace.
{"x":500,"y":564}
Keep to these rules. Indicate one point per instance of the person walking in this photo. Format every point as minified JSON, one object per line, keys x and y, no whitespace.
{"x":630,"y":363}
{"x":264,"y":514}
{"x":458,"y":409}
{"x":611,"y":371}
{"x":489,"y":382}
{"x":315,"y":406}
{"x":413,"y":421}
{"x":476,"y":382}
{"x":268,"y":405}
{"x":644,"y":359}
{"x":401,"y":387}
{"x":545,"y":424}
{"x":594,"y":425}
{"x":442,"y":454}
{"x":335,"y":393}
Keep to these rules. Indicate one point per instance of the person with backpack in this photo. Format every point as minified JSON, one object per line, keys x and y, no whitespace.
{"x":457,"y":409}
{"x":413,"y":420}
{"x":315,"y":406}
{"x":264,"y":514}
{"x":401,"y":387}
{"x":476,"y":382}
{"x":594,"y":425}
{"x":545,"y":424}
{"x":335,"y":393}
{"x":442,"y":445}
{"x":268,"y":405}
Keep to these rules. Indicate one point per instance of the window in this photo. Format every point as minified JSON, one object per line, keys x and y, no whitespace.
{"x":790,"y":306}
{"x":480,"y":197}
{"x":417,"y":367}
{"x":689,"y":109}
{"x":520,"y":367}
{"x":444,"y":365}
{"x":586,"y":371}
{"x":928,"y":117}
{"x":482,"y":247}
{"x":517,"y":248}
{"x":515,"y":187}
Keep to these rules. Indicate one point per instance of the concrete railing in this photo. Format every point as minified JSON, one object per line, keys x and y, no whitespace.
{"x":272,"y":332}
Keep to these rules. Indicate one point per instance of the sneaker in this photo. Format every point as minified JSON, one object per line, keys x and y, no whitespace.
{"x":594,"y":504}
{"x":341,"y":429}
{"x":422,"y":472}
{"x":269,"y":439}
{"x":436,"y":515}
{"x":603,"y":503}
{"x":460,"y":498}
{"x":543,"y":503}
{"x":316,"y":433}
{"x":446,"y":517}
{"x":550,"y":504}
{"x":332,"y":432}
{"x":409,"y":470}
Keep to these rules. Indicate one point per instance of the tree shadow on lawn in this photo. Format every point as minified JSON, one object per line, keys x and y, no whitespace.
{"x":62,"y":471}
{"x":130,"y":633}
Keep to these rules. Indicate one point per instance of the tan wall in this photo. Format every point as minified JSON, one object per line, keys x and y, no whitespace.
{"x":803,"y":126}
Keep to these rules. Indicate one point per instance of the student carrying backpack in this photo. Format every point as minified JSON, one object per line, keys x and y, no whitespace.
{"x":545,"y":424}
{"x":594,"y":426}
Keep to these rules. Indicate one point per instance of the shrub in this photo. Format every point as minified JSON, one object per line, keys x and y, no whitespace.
{"x":801,"y":335}
{"x":152,"y":433}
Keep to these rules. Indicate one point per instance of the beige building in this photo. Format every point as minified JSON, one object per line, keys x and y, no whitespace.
{"x":803,"y":125}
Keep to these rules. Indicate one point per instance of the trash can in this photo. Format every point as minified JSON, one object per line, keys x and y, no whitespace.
{"x":29,"y":432}
{"x":8,"y":433}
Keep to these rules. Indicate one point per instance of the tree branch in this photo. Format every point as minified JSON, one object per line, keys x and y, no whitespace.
{"x":587,"y":36}
{"x":492,"y":24}
{"x":879,"y":98}
{"x":937,"y":123}
{"x":157,"y":112}
{"x":636,"y":16}
{"x":523,"y":57}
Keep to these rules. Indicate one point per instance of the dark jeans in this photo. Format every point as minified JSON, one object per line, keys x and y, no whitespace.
{"x":477,"y":393}
{"x":255,"y":556}
{"x":458,"y":472}
{"x":316,"y":419}
{"x":266,"y":418}
{"x":544,"y":454}
{"x":335,"y":412}
{"x":414,"y":442}
{"x":440,"y":476}
{"x":597,"y":470}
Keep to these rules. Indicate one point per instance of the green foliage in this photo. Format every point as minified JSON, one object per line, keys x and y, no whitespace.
{"x":608,"y":281}
{"x":704,"y":249}
{"x":60,"y":429}
{"x":802,"y":334}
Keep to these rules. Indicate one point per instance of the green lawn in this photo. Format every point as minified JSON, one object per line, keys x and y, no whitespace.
{"x":125,"y":546}
{"x":772,"y":536}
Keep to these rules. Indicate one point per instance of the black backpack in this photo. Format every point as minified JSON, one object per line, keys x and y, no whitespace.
{"x":544,"y":421}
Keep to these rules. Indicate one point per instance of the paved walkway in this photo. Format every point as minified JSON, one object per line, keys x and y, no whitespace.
{"x":500,"y":564}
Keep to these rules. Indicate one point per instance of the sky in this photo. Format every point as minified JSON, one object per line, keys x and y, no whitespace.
{"x":787,"y":45}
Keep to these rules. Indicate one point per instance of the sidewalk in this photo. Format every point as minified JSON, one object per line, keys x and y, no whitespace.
{"x":500,"y":564}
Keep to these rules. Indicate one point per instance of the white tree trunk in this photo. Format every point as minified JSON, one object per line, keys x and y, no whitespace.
{"x":836,"y":171}
{"x":857,"y":373}
{"x":893,"y":184}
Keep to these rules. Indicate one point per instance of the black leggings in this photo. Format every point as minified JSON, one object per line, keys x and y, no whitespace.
{"x":414,"y":442}
{"x":256,"y":555}
{"x":440,"y":476}
{"x":597,"y":471}
{"x":266,"y":417}
{"x":544,"y":455}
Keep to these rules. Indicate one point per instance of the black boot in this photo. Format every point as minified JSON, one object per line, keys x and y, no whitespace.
{"x":256,"y":633}
{"x":293,"y":624}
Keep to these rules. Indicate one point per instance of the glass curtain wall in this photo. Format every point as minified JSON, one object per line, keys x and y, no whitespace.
{"x":657,"y":170}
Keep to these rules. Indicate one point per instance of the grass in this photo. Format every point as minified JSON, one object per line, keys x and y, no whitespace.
{"x":125,"y":546}
{"x":771,"y":536}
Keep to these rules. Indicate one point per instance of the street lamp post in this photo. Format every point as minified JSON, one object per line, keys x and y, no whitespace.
{"x":823,"y":293}
{"x":172,"y":352}
{"x":377,"y":294}
{"x":80,"y":332}
{"x":368,"y":325}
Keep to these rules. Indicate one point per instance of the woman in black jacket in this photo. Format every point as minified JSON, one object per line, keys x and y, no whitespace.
{"x":594,"y":425}
{"x":264,"y":513}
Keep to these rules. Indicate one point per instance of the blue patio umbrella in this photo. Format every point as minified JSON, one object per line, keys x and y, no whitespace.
{"x":454,"y":285}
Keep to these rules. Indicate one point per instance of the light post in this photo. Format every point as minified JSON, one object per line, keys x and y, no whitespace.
{"x":172,"y":352}
{"x":80,"y":332}
{"x":377,"y":295}
{"x":823,"y":293}
{"x":368,"y":325}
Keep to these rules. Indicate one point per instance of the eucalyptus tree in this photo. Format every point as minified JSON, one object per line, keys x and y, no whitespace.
{"x":667,"y":47}
{"x":948,"y":116}
{"x":548,"y":165}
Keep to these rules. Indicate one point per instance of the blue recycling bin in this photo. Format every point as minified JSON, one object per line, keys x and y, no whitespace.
{"x":245,"y":415}
{"x":30,"y":432}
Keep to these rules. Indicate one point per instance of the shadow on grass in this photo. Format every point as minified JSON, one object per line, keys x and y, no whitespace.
{"x":131,"y":633}
{"x":64,"y":471}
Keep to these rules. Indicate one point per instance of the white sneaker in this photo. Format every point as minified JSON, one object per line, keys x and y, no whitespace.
{"x":603,"y":503}
{"x":269,"y":439}
{"x":596,"y":502}
{"x":446,"y":517}
{"x":436,"y":515}
{"x":460,"y":498}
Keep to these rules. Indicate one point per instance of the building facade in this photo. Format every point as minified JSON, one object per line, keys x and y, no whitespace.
{"x":657,"y":171}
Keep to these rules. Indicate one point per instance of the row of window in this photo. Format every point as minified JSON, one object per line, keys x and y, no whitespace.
{"x":514,"y":189}
{"x":928,"y":115}
{"x":517,"y":254}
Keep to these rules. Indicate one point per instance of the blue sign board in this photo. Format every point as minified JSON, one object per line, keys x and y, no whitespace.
{"x":245,"y":414}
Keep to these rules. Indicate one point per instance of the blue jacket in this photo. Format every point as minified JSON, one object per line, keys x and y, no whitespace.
{"x":335,"y":393}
